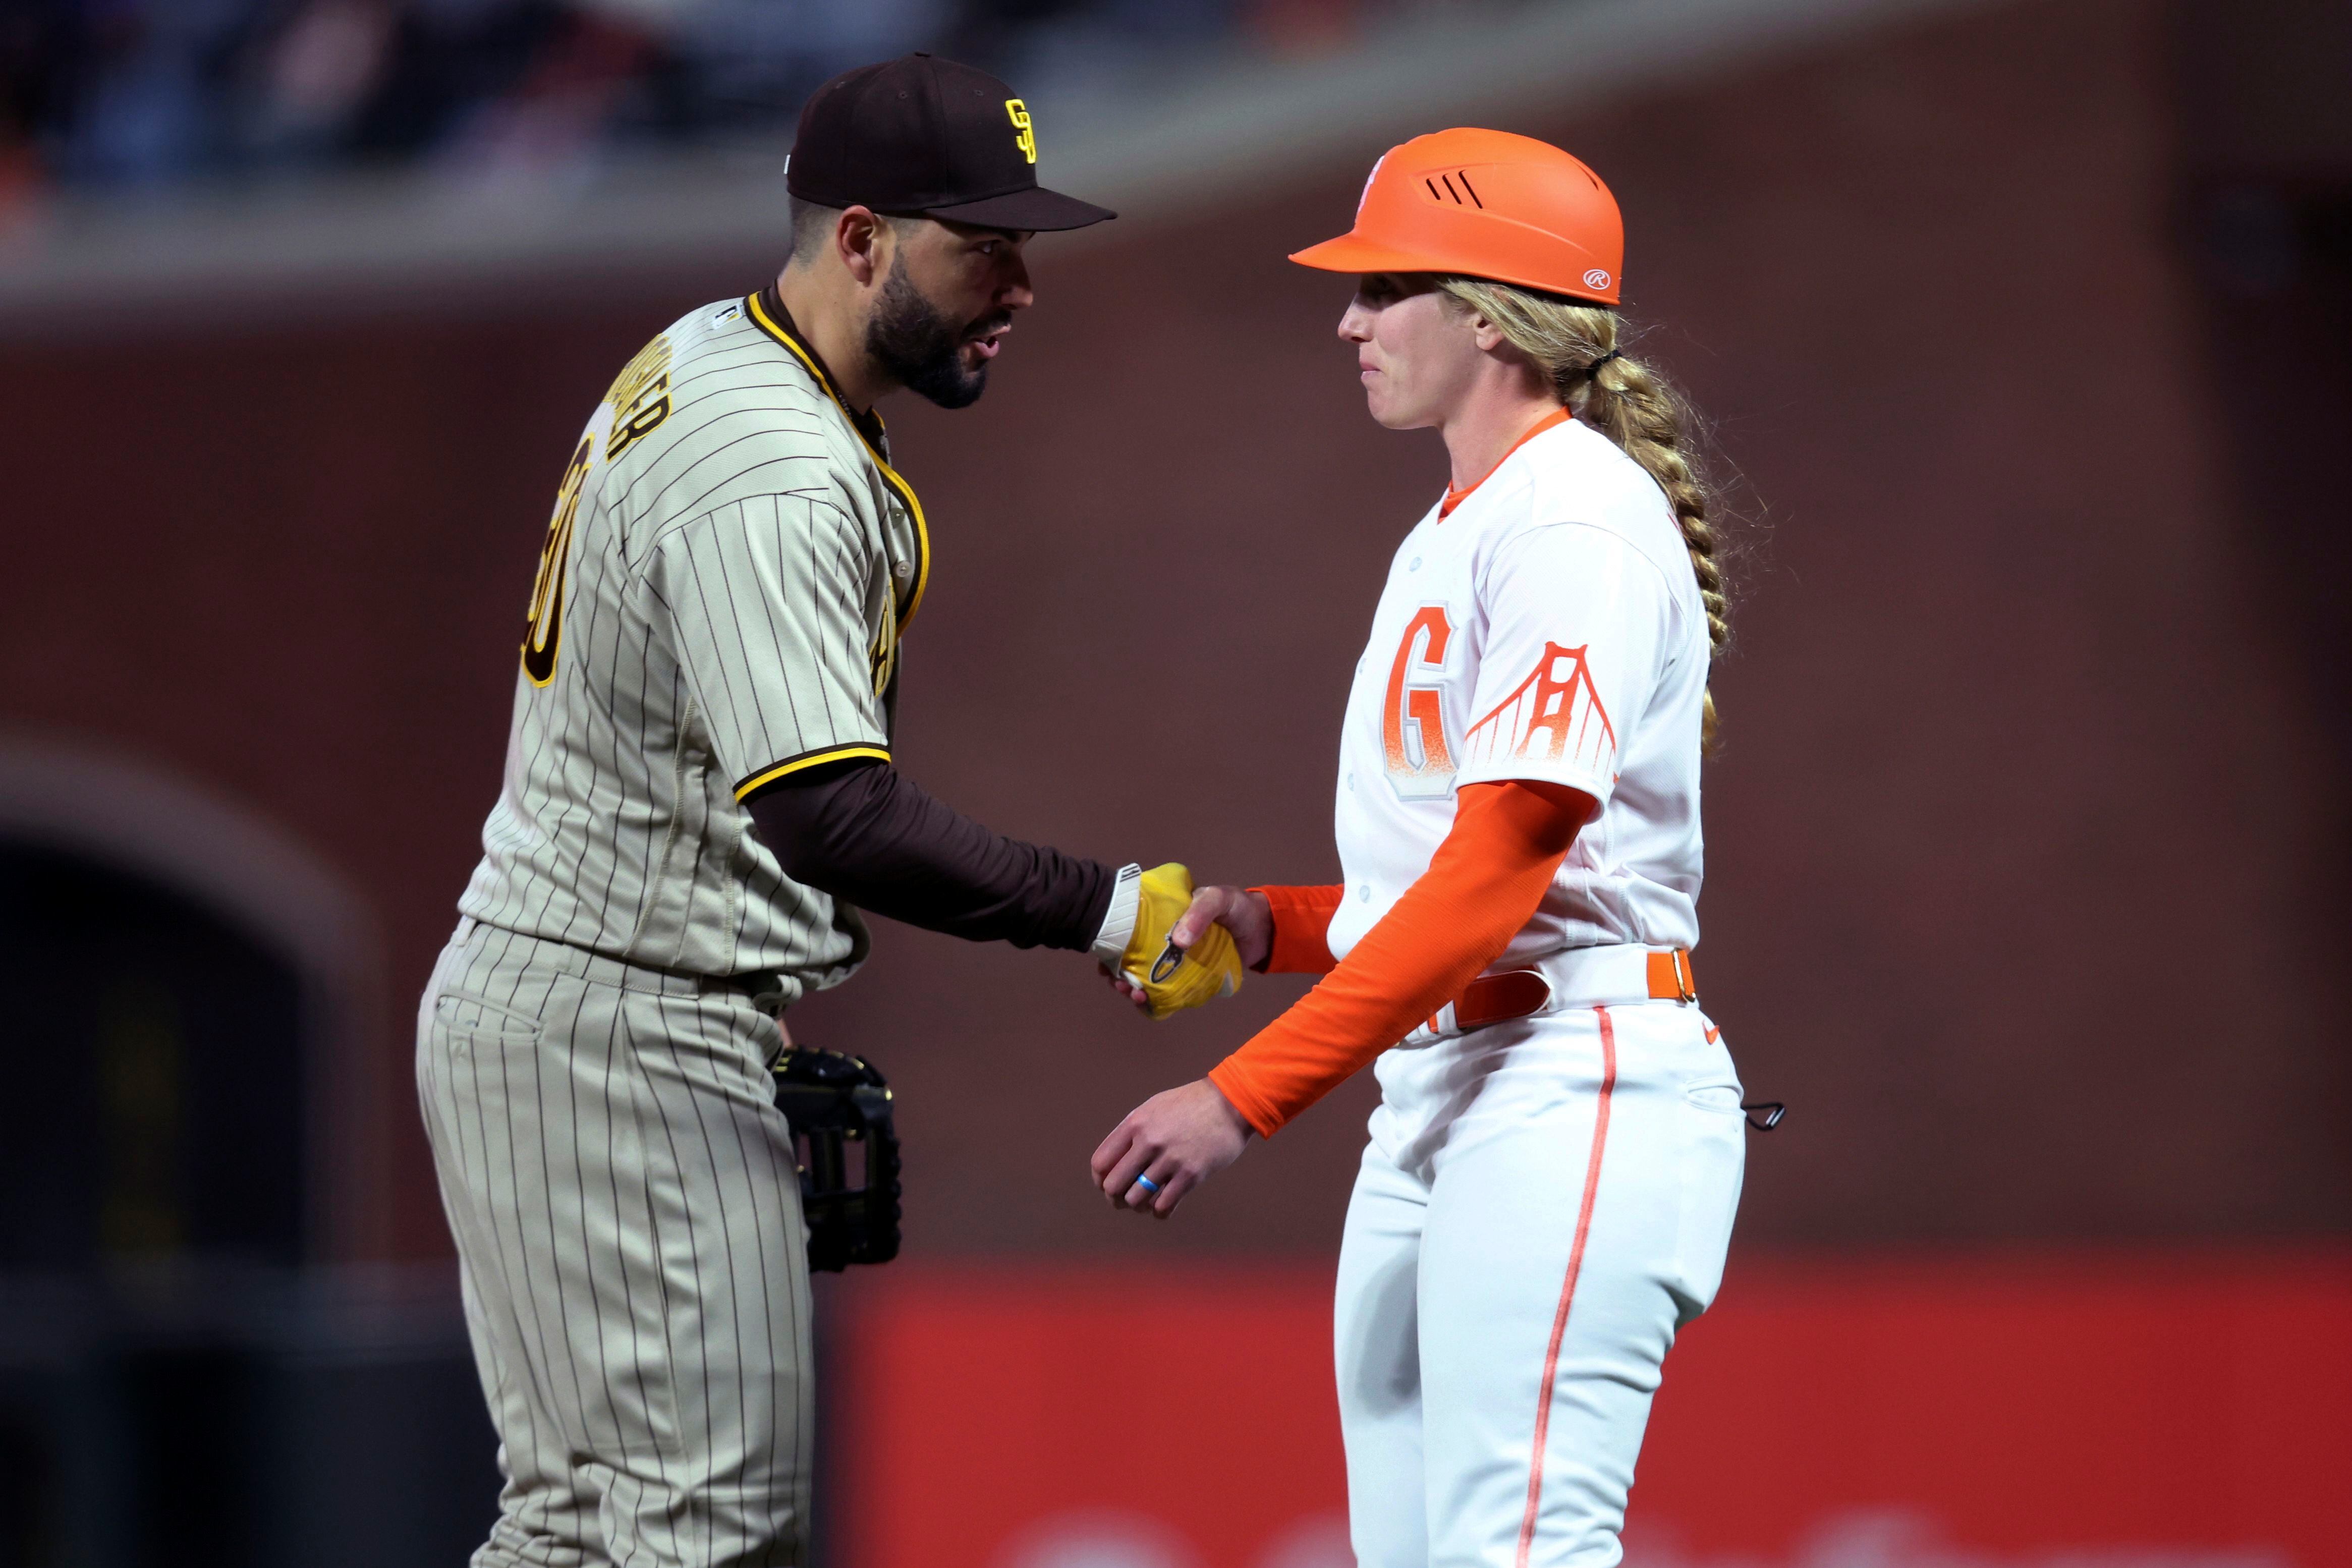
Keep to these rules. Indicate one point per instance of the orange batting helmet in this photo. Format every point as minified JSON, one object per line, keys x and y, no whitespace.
{"x":1484,"y":204}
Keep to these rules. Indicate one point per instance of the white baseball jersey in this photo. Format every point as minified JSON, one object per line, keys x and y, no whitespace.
{"x":1550,"y":628}
{"x":730,"y":565}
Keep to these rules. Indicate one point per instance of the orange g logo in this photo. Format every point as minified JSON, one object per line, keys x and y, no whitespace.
{"x":1412,"y":719}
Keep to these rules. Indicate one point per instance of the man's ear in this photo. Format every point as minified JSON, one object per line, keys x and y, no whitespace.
{"x":862,"y":239}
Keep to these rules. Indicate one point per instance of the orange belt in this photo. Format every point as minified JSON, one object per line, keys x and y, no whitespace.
{"x":1521,"y":993}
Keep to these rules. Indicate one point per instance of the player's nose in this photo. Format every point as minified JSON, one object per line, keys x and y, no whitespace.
{"x":1013,"y":292}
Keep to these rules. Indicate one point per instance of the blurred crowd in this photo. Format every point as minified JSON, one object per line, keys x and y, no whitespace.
{"x":113,"y":93}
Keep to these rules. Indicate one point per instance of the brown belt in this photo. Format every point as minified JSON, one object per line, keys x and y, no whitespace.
{"x":1522,"y":993}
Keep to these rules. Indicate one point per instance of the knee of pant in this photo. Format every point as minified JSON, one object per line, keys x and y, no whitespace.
{"x":1379,"y":1354}
{"x":516,"y":1545}
{"x":710,"y":1525}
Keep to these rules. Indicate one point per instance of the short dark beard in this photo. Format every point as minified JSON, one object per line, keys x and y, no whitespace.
{"x":918,"y":347}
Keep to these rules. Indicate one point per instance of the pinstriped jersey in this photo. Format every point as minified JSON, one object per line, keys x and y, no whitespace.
{"x":727,"y":574}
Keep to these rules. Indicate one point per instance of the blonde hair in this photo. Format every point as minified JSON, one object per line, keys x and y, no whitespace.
{"x":1626,"y":401}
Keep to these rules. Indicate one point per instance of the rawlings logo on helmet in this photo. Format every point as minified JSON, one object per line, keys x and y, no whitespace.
{"x":1596,"y":278}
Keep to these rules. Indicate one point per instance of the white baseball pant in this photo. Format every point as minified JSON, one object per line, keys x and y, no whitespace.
{"x":1543,"y":1203}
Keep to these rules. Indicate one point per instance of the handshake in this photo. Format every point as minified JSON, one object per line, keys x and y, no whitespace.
{"x":1189,"y":946}
{"x":1183,"y":951}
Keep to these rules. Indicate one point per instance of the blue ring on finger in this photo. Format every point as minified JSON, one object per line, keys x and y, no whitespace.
{"x":1148,"y":1184}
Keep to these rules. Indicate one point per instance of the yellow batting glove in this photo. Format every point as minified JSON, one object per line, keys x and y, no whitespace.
{"x":1173,"y":978}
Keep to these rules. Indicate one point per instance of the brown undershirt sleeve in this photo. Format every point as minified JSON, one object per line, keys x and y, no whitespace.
{"x":873,"y":838}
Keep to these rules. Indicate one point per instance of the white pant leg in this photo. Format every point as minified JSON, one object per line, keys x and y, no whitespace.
{"x":1580,"y":1207}
{"x":1376,"y":1340}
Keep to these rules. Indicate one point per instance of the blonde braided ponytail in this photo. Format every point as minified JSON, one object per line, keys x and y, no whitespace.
{"x":1575,"y":344}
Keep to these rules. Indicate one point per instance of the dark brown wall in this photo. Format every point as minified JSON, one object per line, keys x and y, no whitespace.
{"x":2008,"y":886}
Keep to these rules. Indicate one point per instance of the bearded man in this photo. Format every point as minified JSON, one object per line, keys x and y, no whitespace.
{"x":698,"y":799}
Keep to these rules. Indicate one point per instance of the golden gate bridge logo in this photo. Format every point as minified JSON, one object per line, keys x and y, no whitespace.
{"x":1554,"y":712}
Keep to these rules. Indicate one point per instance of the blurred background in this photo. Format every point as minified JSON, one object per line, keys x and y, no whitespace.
{"x":2025,"y":329}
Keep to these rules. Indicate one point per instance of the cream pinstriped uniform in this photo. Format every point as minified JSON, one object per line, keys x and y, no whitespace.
{"x":726,"y":577}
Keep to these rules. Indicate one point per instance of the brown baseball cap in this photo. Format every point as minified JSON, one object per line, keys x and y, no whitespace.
{"x":921,"y":136}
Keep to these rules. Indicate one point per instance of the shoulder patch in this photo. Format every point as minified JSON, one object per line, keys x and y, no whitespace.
{"x":1555,"y":713}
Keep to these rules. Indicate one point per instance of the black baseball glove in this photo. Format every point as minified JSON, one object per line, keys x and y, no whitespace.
{"x":839,"y":1108}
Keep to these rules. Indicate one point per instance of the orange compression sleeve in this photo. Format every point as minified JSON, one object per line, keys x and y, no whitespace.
{"x":1301,"y":917}
{"x":1482,"y":886}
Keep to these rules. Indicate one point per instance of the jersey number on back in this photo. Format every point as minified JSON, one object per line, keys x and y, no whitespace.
{"x":636,"y":404}
{"x":1412,"y":719}
{"x":544,"y":634}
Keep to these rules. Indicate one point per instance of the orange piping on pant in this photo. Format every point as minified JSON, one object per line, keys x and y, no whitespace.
{"x":1567,"y":1289}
